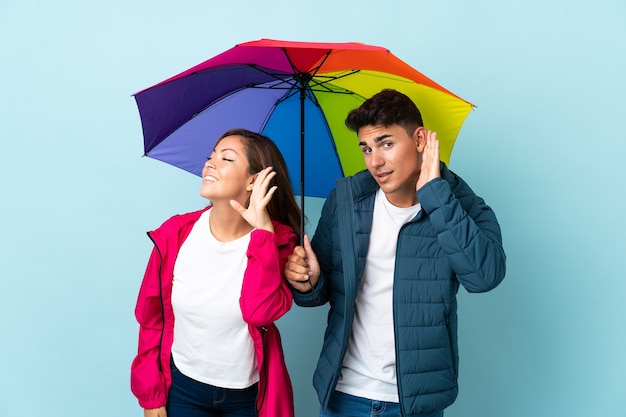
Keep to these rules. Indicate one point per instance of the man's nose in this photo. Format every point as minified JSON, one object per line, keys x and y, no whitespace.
{"x":376,"y":159}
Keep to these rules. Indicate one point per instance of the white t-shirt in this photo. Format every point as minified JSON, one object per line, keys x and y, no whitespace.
{"x":212,"y":343}
{"x":369,"y":366}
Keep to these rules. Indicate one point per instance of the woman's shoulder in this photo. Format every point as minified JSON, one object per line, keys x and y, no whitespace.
{"x":178,"y":220}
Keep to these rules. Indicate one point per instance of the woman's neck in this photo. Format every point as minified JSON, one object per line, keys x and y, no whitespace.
{"x":226,"y":224}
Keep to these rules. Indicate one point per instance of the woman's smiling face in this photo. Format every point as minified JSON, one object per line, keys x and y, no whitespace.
{"x":225,"y":174}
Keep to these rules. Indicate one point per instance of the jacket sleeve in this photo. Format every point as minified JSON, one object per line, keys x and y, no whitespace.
{"x":468,"y":232}
{"x":265,"y":296}
{"x":147,"y":379}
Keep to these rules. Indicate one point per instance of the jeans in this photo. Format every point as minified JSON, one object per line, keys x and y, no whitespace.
{"x":190,"y":398}
{"x":346,"y":405}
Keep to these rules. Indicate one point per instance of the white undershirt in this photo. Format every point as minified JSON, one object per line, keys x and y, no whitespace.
{"x":212,"y":343}
{"x":369,"y":366}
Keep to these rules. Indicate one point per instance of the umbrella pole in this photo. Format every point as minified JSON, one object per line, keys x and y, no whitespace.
{"x":302,"y":99}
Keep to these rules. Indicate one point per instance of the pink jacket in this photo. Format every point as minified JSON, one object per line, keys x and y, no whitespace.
{"x":265,"y":297}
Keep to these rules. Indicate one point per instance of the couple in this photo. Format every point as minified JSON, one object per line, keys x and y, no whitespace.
{"x":392,"y":245}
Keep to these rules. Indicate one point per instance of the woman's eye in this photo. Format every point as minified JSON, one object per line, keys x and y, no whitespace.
{"x":227,"y":159}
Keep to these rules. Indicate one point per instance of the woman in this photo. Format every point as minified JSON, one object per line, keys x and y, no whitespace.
{"x":213,"y":287}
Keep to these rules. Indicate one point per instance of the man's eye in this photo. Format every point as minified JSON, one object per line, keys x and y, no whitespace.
{"x":366,"y":150}
{"x":387,"y":144}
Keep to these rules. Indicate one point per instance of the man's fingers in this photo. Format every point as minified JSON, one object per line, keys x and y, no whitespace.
{"x":302,"y":269}
{"x":307,"y":244}
{"x":308,"y":249}
{"x":298,"y":255}
{"x":297,"y":267}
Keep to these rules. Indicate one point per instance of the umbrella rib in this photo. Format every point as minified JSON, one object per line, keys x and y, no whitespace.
{"x":327,"y":79}
{"x":293,"y":81}
{"x":292,"y":86}
{"x":313,"y":71}
{"x":279,"y":79}
{"x":319,"y":66}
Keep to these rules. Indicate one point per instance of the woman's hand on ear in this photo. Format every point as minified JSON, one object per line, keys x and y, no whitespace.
{"x":256,"y":212}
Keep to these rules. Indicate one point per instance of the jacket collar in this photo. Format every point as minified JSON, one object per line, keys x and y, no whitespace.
{"x":180,"y":225}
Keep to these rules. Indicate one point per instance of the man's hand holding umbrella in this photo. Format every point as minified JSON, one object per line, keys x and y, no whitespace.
{"x":302,"y":269}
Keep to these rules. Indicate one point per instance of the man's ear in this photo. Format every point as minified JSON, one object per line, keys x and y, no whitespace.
{"x":419,"y":137}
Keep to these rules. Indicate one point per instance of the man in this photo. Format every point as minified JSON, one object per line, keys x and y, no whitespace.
{"x":392,"y":245}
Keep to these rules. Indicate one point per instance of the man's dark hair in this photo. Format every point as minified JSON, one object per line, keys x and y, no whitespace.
{"x":386,"y":108}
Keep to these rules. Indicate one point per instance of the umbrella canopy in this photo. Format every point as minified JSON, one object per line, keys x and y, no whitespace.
{"x":296,"y":93}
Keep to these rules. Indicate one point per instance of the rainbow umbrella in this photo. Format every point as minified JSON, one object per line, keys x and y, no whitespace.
{"x":296,"y":93}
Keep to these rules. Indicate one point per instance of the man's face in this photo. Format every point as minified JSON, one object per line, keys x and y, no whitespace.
{"x":393,"y":157}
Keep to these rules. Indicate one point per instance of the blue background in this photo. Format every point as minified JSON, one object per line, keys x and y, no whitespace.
{"x":544,"y":147}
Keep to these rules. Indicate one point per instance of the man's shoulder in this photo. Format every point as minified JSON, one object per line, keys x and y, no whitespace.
{"x":457,"y":184}
{"x":362,"y":184}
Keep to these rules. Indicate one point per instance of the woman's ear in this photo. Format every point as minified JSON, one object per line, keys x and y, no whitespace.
{"x":251,"y":180}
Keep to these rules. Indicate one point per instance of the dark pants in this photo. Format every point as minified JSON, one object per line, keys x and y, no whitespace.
{"x":190,"y":398}
{"x":346,"y":405}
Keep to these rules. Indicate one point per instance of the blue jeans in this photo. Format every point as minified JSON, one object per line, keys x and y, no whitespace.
{"x":190,"y":398}
{"x":346,"y":405}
